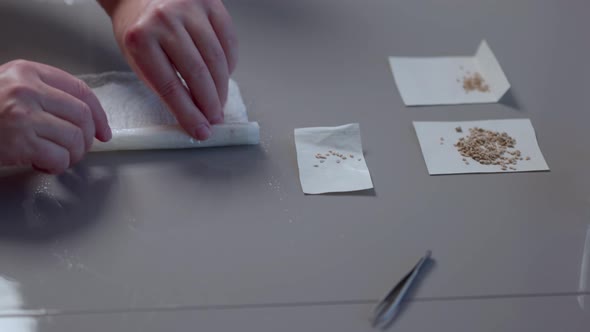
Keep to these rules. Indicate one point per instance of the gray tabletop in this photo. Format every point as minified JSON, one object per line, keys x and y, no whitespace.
{"x":224,"y":238}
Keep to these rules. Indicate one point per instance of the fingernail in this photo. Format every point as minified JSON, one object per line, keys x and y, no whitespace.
{"x":203,"y":131}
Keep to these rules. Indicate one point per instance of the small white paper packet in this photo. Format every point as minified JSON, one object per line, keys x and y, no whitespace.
{"x":330,"y":159}
{"x":440,"y":80}
{"x":438,"y":139}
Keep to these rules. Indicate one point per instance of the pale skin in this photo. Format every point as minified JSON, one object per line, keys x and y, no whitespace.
{"x":49,"y":118}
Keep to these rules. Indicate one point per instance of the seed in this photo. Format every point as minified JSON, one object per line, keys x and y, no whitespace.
{"x":315,"y":166}
{"x":359,"y":159}
{"x":459,"y":129}
{"x":344,"y":158}
{"x":475,"y":82}
{"x":338,"y":161}
{"x":442,"y":139}
{"x":466,"y":163}
{"x":488,"y":147}
{"x":528,"y":158}
{"x":321,"y":161}
{"x":351,"y":156}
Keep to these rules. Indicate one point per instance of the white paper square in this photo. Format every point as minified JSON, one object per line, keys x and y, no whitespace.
{"x":445,"y":159}
{"x":438,"y":80}
{"x":350,"y":174}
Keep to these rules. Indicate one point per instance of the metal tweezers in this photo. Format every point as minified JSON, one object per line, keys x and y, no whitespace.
{"x":387,"y":309}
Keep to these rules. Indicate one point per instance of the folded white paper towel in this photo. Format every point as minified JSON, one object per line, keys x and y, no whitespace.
{"x":140,"y":121}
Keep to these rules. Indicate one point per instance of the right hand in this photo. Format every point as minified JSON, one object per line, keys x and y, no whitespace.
{"x":48,"y":118}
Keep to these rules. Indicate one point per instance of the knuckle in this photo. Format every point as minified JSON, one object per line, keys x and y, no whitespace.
{"x":20,"y":91}
{"x":198,"y":71}
{"x":218,"y":56}
{"x":84,"y":114}
{"x":135,"y":37}
{"x":170,"y":89}
{"x":18,"y":119}
{"x":82,"y":89}
{"x":20,"y":65}
{"x":164,"y":13}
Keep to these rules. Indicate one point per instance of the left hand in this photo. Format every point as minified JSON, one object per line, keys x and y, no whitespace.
{"x":192,"y":37}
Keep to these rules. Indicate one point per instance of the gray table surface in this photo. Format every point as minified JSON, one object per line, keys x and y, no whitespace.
{"x":225,"y":239}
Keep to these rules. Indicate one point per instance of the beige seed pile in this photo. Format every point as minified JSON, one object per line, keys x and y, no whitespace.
{"x":475,"y":82}
{"x":340,"y":157}
{"x":489,"y":148}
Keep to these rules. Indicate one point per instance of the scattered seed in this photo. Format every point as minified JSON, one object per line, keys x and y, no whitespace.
{"x":338,"y":161}
{"x":442,"y":139}
{"x":344,"y":158}
{"x":466,"y":163}
{"x":528,"y":158}
{"x":322,"y":161}
{"x":459,"y":129}
{"x":359,"y":159}
{"x":315,"y":166}
{"x":351,"y":156}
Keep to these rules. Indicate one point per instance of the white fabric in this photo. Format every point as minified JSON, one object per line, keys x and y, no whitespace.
{"x":140,"y":121}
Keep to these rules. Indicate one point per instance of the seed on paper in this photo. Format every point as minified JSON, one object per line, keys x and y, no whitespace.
{"x":459,"y":129}
{"x":489,"y":148}
{"x":475,"y":82}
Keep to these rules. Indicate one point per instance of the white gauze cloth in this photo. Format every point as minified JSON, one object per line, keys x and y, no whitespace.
{"x":140,"y":121}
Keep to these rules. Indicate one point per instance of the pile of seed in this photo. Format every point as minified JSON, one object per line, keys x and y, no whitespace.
{"x":475,"y":82}
{"x":489,"y":148}
{"x":335,"y":154}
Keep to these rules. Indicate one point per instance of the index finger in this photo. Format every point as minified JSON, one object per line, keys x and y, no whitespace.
{"x":75,"y":87}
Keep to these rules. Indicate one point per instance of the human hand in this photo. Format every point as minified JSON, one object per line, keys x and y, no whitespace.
{"x":192,"y":37}
{"x":48,"y":118}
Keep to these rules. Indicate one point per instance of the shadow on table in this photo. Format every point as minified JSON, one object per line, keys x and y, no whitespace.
{"x":510,"y":100}
{"x":360,"y":193}
{"x":211,"y":164}
{"x":36,"y":207}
